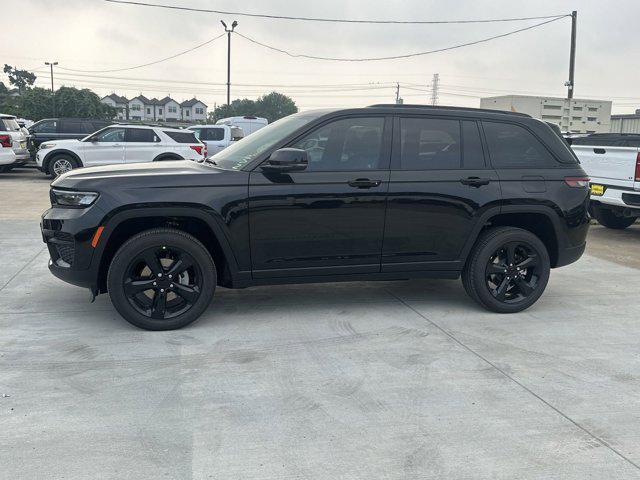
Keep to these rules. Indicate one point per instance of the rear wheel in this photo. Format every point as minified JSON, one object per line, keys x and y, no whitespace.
{"x":6,"y":168}
{"x":607,"y":218}
{"x":161,"y":279}
{"x":61,"y":164}
{"x":507,"y":270}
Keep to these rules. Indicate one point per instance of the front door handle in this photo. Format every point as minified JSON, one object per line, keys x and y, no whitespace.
{"x":364,"y":183}
{"x":475,"y":181}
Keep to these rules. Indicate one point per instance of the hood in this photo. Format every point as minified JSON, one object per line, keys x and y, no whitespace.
{"x":140,"y":175}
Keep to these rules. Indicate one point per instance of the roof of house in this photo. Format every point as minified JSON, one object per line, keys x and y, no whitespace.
{"x":117,"y":98}
{"x":192,"y":102}
{"x":142,"y":98}
{"x":164,"y":101}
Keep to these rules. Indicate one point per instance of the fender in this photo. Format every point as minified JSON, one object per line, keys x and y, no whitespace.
{"x":208,"y":215}
{"x":48,"y":156}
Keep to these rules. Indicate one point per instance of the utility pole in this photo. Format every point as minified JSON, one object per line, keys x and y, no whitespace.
{"x":434,"y":89}
{"x":53,"y":96}
{"x":572,"y":55}
{"x":229,"y":31}
{"x":398,"y":100}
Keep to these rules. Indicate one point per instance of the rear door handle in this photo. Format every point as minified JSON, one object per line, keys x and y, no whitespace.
{"x":364,"y":183}
{"x":475,"y":181}
{"x":599,"y":150}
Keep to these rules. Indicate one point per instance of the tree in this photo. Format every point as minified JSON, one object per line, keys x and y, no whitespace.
{"x":272,"y":107}
{"x":21,"y":79}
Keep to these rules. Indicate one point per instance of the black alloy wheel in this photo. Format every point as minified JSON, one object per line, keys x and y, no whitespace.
{"x":163,"y":282}
{"x":161,"y":279}
{"x":513,"y":272}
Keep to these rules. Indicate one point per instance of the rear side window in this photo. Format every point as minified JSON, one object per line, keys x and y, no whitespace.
{"x":472,"y":155}
{"x":182,"y":137}
{"x":71,"y":127}
{"x":145,"y":135}
{"x":213,"y":134}
{"x":236,"y":134}
{"x":513,"y":146}
{"x":429,"y":144}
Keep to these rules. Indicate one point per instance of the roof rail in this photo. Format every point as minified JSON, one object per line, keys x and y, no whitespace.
{"x":438,"y":107}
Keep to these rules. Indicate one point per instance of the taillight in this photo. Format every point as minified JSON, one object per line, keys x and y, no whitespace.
{"x":638,"y":167}
{"x":5,"y":141}
{"x":577,"y":182}
{"x":197,"y":148}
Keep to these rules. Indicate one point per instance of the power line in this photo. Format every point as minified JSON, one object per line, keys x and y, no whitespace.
{"x":146,"y":64}
{"x":330,"y":20}
{"x":394,"y":57}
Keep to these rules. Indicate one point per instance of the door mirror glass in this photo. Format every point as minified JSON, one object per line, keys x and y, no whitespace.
{"x":287,"y":160}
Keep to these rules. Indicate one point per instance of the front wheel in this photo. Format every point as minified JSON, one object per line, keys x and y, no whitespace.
{"x":607,"y":218}
{"x":61,"y":164}
{"x":161,"y":279}
{"x":507,"y":270}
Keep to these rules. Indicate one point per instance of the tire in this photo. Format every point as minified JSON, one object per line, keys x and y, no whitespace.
{"x":167,"y":158}
{"x":60,"y":164}
{"x":6,"y":168}
{"x":163,"y":305}
{"x":527,"y":273}
{"x":607,"y":218}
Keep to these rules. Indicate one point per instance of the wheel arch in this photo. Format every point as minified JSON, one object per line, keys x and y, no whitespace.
{"x":168,"y":156}
{"x":63,"y":151}
{"x":195,"y":221}
{"x":540,"y":220}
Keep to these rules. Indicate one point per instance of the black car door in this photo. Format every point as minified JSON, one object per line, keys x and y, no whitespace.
{"x":439,"y":187}
{"x":328,"y":218}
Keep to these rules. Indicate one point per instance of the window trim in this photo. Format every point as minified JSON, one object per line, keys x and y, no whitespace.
{"x":558,"y":164}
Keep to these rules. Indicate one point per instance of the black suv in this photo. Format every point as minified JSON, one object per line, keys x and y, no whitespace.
{"x":63,"y":128}
{"x":378,"y":193}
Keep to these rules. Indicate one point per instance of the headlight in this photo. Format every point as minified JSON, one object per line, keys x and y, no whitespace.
{"x":72,"y":199}
{"x":44,"y":146}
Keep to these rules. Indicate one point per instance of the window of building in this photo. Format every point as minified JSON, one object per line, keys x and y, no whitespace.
{"x":592,"y":119}
{"x":148,"y":111}
{"x":160,"y":111}
{"x":552,"y":107}
{"x":342,"y":145}
{"x":551,"y":117}
{"x":513,"y":146}
{"x":172,"y":109}
{"x":576,"y":118}
{"x":135,"y":107}
{"x":429,"y":144}
{"x":199,"y":111}
{"x":593,"y":109}
{"x":578,"y":109}
{"x":187,"y":112}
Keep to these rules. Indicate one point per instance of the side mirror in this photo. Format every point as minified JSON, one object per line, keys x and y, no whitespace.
{"x":286,"y":160}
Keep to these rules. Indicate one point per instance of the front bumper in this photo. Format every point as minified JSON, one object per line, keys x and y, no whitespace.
{"x":67,"y":232}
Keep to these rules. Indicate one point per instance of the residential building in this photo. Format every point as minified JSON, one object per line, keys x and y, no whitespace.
{"x":629,"y":123}
{"x":167,"y":109}
{"x":121,"y":104}
{"x":576,"y":115}
{"x":193,"y":110}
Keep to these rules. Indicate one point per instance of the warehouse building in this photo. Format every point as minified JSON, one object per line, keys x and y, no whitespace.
{"x":574,"y":115}
{"x":626,"y":123}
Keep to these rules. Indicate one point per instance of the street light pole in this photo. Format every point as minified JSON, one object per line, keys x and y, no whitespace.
{"x":53,"y":96}
{"x":229,"y":31}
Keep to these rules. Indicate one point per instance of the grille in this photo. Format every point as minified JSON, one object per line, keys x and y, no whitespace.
{"x":65,"y":252}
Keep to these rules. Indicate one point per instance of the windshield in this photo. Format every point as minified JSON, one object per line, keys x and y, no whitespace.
{"x":244,"y":151}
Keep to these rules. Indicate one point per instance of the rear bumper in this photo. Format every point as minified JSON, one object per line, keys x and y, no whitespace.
{"x":569,"y":255}
{"x":618,"y":197}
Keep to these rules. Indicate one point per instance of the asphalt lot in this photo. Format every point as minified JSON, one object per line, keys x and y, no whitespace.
{"x":380,"y":380}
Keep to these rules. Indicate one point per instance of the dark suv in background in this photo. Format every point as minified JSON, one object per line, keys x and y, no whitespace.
{"x":62,"y":128}
{"x":378,"y":193}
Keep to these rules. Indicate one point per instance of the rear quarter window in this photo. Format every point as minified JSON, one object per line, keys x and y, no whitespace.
{"x":182,"y":137}
{"x":513,"y":146}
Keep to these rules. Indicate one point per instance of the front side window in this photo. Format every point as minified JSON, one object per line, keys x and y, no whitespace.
{"x":45,"y":126}
{"x":347,"y":144}
{"x":513,"y":146}
{"x":145,"y":135}
{"x":429,"y":144}
{"x":111,"y":135}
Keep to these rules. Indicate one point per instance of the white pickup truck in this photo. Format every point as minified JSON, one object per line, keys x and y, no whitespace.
{"x":612,"y":160}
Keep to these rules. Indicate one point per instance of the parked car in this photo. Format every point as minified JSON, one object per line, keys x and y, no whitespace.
{"x":612,"y":160}
{"x":7,"y":155}
{"x":12,"y":134}
{"x":217,"y":137}
{"x":119,"y":144}
{"x":379,"y":193}
{"x":50,"y":129}
{"x":247,"y":123}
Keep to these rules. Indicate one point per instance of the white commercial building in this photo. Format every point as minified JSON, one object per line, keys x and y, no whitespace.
{"x":577,"y":115}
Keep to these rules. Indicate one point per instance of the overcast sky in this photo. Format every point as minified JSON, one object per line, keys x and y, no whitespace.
{"x":96,"y":35}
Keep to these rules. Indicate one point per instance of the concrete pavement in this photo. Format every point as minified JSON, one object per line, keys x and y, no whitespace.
{"x":390,"y":380}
